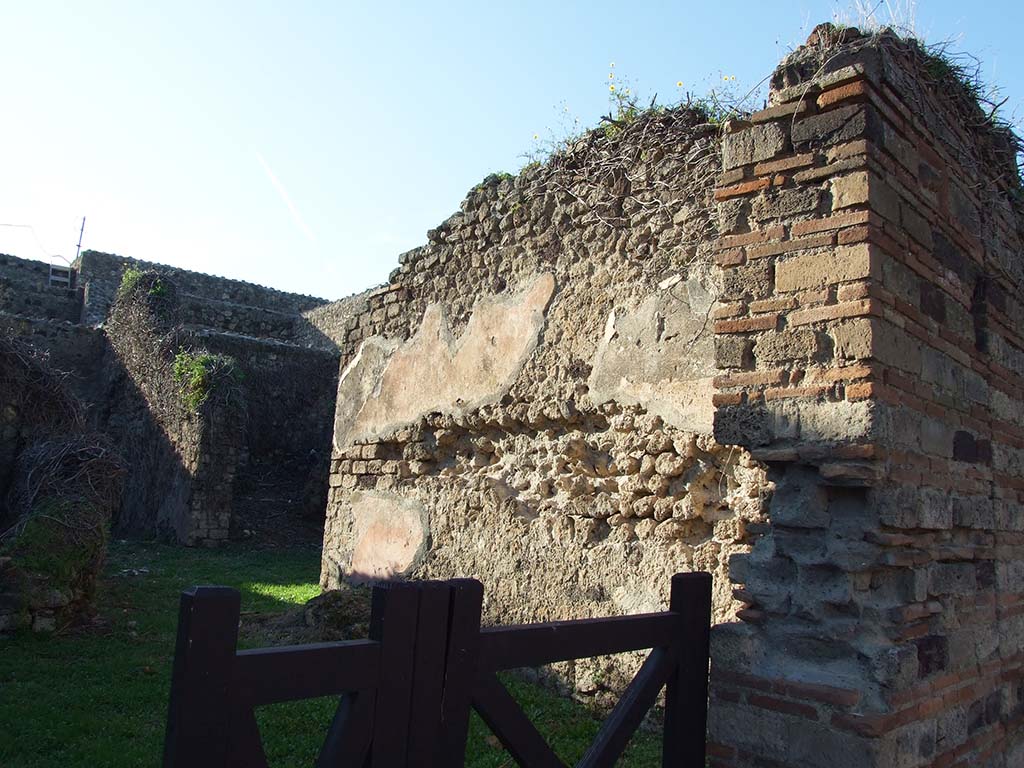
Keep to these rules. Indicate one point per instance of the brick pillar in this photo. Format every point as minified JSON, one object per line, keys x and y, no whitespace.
{"x":870,"y":353}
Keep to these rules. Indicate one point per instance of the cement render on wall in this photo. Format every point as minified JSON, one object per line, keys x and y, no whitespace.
{"x":433,"y":372}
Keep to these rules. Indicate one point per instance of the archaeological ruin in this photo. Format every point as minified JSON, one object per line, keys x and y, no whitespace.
{"x":785,"y":349}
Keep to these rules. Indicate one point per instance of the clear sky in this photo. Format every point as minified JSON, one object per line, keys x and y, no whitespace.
{"x":304,"y":145}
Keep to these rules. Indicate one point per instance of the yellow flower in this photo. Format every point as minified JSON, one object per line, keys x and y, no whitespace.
{"x":626,"y":91}
{"x":611,"y":75}
{"x":612,"y":65}
{"x":611,"y":87}
{"x":679,"y":84}
{"x":535,"y":137}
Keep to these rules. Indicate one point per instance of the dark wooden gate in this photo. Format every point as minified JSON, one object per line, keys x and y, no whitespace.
{"x":405,"y":693}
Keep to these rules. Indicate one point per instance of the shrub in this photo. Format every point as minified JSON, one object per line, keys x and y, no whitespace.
{"x":129,"y":280}
{"x":62,"y":498}
{"x":61,"y":544}
{"x":199,"y":374}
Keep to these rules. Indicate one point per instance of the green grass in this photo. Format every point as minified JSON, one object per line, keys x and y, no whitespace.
{"x":98,"y":697}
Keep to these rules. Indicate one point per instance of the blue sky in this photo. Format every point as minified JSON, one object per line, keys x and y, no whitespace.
{"x":304,"y":145}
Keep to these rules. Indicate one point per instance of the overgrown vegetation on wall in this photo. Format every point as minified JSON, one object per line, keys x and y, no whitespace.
{"x":200,"y":374}
{"x":144,"y":320}
{"x":185,"y":417}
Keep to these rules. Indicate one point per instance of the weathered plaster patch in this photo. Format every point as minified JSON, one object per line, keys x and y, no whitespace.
{"x":389,"y":386}
{"x":660,"y":356}
{"x":357,"y":383}
{"x":389,"y":535}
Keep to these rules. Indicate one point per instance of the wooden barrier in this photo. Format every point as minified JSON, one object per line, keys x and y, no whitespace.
{"x":405,"y":693}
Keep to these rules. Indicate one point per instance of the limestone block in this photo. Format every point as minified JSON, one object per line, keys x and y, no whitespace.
{"x":952,"y":579}
{"x":815,"y":270}
{"x":851,"y":189}
{"x":785,"y":203}
{"x":812,"y":421}
{"x":759,"y":142}
{"x":751,"y":281}
{"x":836,"y":126}
{"x":800,"y":344}
{"x":733,"y":352}
{"x":974,"y":512}
{"x":800,"y":500}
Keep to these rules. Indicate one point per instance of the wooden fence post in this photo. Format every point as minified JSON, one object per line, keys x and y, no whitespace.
{"x":199,"y":716}
{"x":431,"y":644}
{"x":460,"y":668}
{"x":686,"y":694}
{"x":393,"y":624}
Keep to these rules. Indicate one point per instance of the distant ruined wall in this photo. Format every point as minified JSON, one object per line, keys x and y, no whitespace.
{"x":331,"y":321}
{"x":559,"y":396}
{"x":78,"y":351}
{"x":25,"y":290}
{"x":289,"y":400}
{"x":59,"y":484}
{"x":184,"y":457}
{"x":206,"y":300}
{"x":278,"y":453}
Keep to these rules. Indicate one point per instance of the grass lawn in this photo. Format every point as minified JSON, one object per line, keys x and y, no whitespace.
{"x":98,"y":697}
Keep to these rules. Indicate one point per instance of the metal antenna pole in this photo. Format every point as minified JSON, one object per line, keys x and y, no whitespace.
{"x":78,"y":250}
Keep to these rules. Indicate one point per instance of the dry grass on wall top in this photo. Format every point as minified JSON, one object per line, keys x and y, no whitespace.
{"x":950,"y":76}
{"x":609,"y":170}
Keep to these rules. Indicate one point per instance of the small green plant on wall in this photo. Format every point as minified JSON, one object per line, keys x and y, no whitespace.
{"x":130,"y":279}
{"x":200,"y":374}
{"x":158,"y":289}
{"x":192,"y":374}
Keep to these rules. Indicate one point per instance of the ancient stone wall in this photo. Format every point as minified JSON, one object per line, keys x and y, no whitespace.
{"x":558,"y":396}
{"x":25,"y":290}
{"x":528,"y":401}
{"x":184,"y":454}
{"x":256,"y":322}
{"x":234,"y":301}
{"x":868,"y":332}
{"x":289,"y":401}
{"x":331,"y":321}
{"x":79,"y":351}
{"x":59,"y":484}
{"x":279,"y":454}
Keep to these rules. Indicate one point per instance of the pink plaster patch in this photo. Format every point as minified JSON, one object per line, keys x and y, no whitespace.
{"x":389,"y":536}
